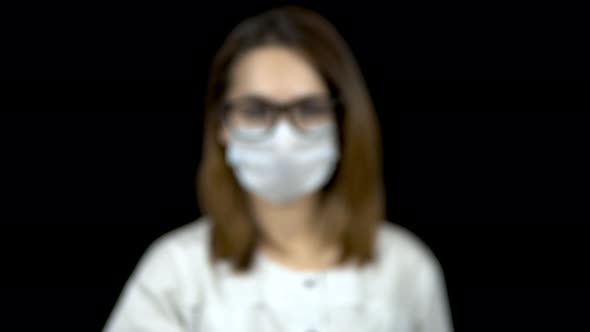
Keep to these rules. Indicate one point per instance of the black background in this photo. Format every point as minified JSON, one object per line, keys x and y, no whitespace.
{"x":101,"y":137}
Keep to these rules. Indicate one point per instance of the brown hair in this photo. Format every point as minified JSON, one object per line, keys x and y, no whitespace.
{"x":352,"y":202}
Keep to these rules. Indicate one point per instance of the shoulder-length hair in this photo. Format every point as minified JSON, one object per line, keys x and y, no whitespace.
{"x":352,"y":202}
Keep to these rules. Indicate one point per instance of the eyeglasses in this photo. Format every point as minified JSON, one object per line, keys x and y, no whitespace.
{"x":254,"y":117}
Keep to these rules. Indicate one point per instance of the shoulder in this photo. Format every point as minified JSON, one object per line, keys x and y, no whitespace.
{"x":165,"y":281}
{"x":394,"y":237}
{"x":173,"y":263}
{"x":401,"y":249}
{"x":187,"y":243}
{"x":416,"y":276}
{"x":190,"y":236}
{"x":176,"y":254}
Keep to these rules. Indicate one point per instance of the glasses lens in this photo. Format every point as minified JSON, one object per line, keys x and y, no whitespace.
{"x":249,"y":117}
{"x":314,"y":113}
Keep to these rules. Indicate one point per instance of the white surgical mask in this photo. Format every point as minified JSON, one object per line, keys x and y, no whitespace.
{"x":286,"y":165}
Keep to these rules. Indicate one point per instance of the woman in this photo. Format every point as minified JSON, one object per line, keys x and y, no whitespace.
{"x":293,"y":236}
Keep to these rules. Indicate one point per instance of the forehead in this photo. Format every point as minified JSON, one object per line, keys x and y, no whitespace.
{"x":274,"y":72}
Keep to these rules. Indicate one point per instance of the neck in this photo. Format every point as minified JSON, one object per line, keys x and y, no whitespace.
{"x":290,"y":232}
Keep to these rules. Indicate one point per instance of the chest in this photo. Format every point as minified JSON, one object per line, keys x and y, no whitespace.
{"x":337,"y":302}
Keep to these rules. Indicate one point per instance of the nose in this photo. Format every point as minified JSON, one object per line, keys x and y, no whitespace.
{"x":284,"y":134}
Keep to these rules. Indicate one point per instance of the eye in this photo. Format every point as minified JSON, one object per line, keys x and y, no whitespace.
{"x":314,"y":106}
{"x":254,"y":109}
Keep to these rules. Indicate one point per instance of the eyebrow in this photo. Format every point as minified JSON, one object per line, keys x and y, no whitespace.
{"x":265,"y":99}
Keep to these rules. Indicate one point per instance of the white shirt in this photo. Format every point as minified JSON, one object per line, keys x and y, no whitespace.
{"x":174,"y":289}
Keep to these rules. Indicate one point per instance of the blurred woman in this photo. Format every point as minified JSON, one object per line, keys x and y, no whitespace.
{"x":293,"y":235}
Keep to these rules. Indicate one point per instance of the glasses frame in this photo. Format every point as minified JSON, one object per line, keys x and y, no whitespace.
{"x":277,"y":109}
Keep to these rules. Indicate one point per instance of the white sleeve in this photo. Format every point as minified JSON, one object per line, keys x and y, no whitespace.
{"x":149,"y":301}
{"x":432,"y":304}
